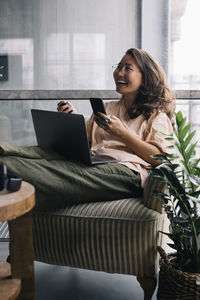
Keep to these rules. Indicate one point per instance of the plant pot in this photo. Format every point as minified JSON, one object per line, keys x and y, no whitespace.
{"x":176,"y":284}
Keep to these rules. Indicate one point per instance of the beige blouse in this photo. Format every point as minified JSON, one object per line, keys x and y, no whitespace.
{"x":152,"y":131}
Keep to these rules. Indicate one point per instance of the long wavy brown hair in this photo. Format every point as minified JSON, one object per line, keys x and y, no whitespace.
{"x":154,"y":94}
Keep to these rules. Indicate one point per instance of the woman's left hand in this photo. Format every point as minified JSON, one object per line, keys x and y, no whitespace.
{"x":111,"y":124}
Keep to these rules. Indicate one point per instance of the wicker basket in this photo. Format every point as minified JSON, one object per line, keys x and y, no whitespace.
{"x":175,"y":284}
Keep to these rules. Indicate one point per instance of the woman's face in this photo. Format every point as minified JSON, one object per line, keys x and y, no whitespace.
{"x":127,"y":76}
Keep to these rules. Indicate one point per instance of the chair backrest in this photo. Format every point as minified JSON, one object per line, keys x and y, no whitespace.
{"x":150,"y":200}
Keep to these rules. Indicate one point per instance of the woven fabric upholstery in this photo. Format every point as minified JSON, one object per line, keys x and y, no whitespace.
{"x":149,"y":198}
{"x":113,"y":236}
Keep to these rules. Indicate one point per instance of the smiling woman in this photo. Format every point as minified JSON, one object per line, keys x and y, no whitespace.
{"x":143,"y":84}
{"x":138,"y":118}
{"x":128,"y":78}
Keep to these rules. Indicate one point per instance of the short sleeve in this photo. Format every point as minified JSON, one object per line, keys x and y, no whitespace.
{"x":160,"y":128}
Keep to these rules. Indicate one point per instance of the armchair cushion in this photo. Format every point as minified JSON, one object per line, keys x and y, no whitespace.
{"x":112,"y":236}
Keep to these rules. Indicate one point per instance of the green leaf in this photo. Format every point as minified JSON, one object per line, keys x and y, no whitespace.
{"x":197,"y":224}
{"x":179,"y":116}
{"x":181,"y":125}
{"x":169,"y":139}
{"x":184,"y":131}
{"x":193,"y":199}
{"x":194,"y":179}
{"x":180,"y":120}
{"x":188,"y":139}
{"x":172,"y":156}
{"x":195,"y":164}
{"x":161,"y":157}
{"x":180,"y":220}
{"x":181,"y":199}
{"x":170,"y":146}
{"x":170,"y":236}
{"x":173,"y":246}
{"x":195,"y":194}
{"x":187,"y":236}
{"x":190,"y":153}
{"x":179,"y":148}
{"x":175,"y":166}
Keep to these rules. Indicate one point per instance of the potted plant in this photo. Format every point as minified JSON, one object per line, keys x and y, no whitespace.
{"x":179,"y":276}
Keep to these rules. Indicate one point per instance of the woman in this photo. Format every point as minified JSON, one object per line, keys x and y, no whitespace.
{"x":135,"y":130}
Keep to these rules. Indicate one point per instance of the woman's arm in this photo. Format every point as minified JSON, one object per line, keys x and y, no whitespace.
{"x":133,"y":142}
{"x":141,"y":148}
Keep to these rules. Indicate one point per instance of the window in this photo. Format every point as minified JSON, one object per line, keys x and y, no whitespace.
{"x":59,"y":44}
{"x":185,"y":45}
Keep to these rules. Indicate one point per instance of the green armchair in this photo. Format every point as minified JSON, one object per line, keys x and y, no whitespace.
{"x":113,"y":236}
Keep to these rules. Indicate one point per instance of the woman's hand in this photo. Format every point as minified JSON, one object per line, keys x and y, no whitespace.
{"x":111,"y":124}
{"x":137,"y":146}
{"x":66,"y":107}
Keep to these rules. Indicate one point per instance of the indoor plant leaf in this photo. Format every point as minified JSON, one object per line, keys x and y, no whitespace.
{"x":181,"y":201}
{"x":188,"y":139}
{"x":184,"y":131}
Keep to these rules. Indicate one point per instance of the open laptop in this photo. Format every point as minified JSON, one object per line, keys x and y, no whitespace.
{"x":65,"y":134}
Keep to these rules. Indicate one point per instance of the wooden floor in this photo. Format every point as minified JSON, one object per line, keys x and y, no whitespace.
{"x":64,"y":283}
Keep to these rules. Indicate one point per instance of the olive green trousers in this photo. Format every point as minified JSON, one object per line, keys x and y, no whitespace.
{"x":60,"y":182}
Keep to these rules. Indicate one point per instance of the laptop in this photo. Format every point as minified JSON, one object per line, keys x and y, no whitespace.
{"x":65,"y":134}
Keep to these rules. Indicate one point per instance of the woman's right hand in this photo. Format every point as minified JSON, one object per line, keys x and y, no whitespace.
{"x":66,"y":107}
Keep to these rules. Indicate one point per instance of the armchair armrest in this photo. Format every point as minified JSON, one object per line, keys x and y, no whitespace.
{"x":150,"y":200}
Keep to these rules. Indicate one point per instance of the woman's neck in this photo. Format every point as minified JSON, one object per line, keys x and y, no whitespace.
{"x":128,"y":100}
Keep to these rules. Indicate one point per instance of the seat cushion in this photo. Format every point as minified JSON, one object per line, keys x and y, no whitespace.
{"x":113,"y":236}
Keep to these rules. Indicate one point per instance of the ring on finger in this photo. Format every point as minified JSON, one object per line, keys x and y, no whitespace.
{"x":107,"y":120}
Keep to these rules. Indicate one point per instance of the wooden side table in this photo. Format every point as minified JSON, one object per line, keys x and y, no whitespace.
{"x":16,"y":209}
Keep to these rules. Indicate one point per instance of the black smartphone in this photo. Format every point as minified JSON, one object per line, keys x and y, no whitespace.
{"x":97,"y":105}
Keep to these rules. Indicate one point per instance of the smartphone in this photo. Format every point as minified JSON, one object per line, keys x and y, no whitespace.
{"x":97,"y":105}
